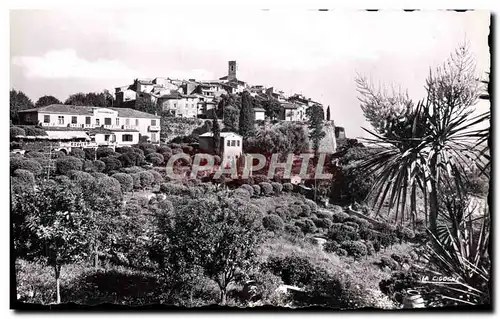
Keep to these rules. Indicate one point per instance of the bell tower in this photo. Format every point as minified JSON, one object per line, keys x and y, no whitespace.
{"x":231,"y":71}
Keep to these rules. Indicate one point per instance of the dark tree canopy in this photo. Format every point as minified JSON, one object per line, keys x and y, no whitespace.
{"x":273,"y":108}
{"x":316,"y":116}
{"x":18,"y":102}
{"x":247,"y":116}
{"x":47,"y":100}
{"x":216,"y":132}
{"x":104,"y":99}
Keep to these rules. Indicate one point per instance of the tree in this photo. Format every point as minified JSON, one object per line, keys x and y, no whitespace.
{"x":47,"y":100}
{"x":315,"y":117}
{"x":247,"y":116}
{"x":18,"y":102}
{"x":273,"y":108}
{"x":426,"y":145}
{"x":145,"y":104}
{"x":104,"y":99}
{"x":220,"y":236}
{"x":216,"y":134}
{"x":328,"y":113}
{"x":231,"y":116}
{"x":53,"y":225}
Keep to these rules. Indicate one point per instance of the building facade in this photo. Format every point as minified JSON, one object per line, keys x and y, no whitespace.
{"x":179,"y":105}
{"x":231,"y":145}
{"x":122,"y":121}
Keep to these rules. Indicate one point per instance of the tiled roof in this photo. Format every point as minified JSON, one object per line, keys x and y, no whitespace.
{"x":88,"y":110}
{"x":222,"y":134}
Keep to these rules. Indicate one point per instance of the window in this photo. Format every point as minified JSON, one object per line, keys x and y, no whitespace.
{"x":153,"y":122}
{"x":60,"y":119}
{"x":233,"y":143}
{"x":136,"y":122}
{"x":46,"y":119}
{"x":153,"y":137}
{"x":74,"y":120}
{"x":238,"y":142}
{"x":97,"y":122}
{"x":117,"y":121}
{"x":127,"y":138}
{"x":228,"y":143}
{"x":107,"y":121}
{"x":127,"y":122}
{"x":87,"y":120}
{"x":106,"y":137}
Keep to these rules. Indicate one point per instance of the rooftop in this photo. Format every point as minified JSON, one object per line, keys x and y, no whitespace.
{"x":222,"y":134}
{"x":89,"y":110}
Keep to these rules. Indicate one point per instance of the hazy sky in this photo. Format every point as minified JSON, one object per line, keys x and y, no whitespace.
{"x":315,"y":53}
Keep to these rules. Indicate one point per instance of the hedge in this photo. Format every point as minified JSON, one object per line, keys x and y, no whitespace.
{"x":68,"y":163}
{"x":277,"y":188}
{"x":248,"y":188}
{"x":256,"y":190}
{"x":288,"y":187}
{"x":78,"y":153}
{"x":24,"y":177}
{"x":15,"y":131}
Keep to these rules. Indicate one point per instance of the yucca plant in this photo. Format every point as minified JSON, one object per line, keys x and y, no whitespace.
{"x":420,"y":143}
{"x":460,"y":250}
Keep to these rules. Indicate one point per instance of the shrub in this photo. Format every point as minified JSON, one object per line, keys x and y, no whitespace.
{"x":26,"y":164}
{"x":398,"y":283}
{"x":126,"y":181}
{"x":155,"y":159}
{"x":354,"y":248}
{"x":341,"y":232}
{"x":99,"y":166}
{"x":339,"y":217}
{"x":331,"y":246}
{"x":266,"y":188}
{"x":305,"y":210}
{"x":217,"y":160}
{"x":370,"y":250}
{"x":98,"y":175}
{"x":288,"y":187}
{"x":367,"y":234}
{"x":324,"y":214}
{"x":242,"y":193}
{"x":146,"y":179}
{"x":248,"y":188}
{"x":306,"y":225}
{"x":324,"y":223}
{"x":295,"y":210}
{"x":22,"y":180}
{"x":83,"y":179}
{"x":282,"y":212}
{"x":352,"y":224}
{"x":336,"y":209}
{"x":132,"y":170}
{"x":158,"y":178}
{"x":293,"y":270}
{"x":389,"y":263}
{"x":15,"y":131}
{"x":34,"y":131}
{"x":257,"y":179}
{"x":294,"y":230}
{"x":111,"y":164}
{"x":33,"y":154}
{"x":312,"y":205}
{"x":102,"y":152}
{"x":78,"y":153}
{"x":341,"y":252}
{"x":131,"y":159}
{"x":256,"y":190}
{"x":405,"y":234}
{"x":68,"y":163}
{"x":277,"y":188}
{"x":273,"y":223}
{"x":108,"y":186}
{"x":174,"y":189}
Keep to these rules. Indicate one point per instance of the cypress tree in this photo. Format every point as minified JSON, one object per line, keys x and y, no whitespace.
{"x":216,"y":133}
{"x":328,"y":113}
{"x":247,"y":116}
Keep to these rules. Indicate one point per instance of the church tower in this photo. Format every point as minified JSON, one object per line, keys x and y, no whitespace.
{"x":231,"y":71}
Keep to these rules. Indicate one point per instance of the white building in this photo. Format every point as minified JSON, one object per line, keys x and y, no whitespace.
{"x":231,"y":145}
{"x":125,"y":125}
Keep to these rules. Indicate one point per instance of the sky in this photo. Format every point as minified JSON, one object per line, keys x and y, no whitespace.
{"x":314,"y":53}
